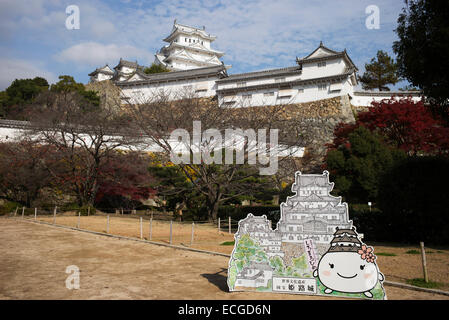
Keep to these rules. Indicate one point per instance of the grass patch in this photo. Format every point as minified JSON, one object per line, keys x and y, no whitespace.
{"x":227,"y":243}
{"x":386,"y":254}
{"x":420,"y":282}
{"x":413,"y":251}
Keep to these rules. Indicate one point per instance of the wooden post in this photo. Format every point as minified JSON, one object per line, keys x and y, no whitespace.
{"x":218,"y":224}
{"x":116,"y":212}
{"x":193,"y":232}
{"x":15,"y":212}
{"x":424,"y":263}
{"x":23,"y":211}
{"x":79,"y":218}
{"x":141,"y":229}
{"x":171,"y":231}
{"x":151,"y":228}
{"x":107,"y":227}
{"x":54,"y":215}
{"x":88,"y":211}
{"x":229,"y":223}
{"x":35,"y":214}
{"x":122,"y":211}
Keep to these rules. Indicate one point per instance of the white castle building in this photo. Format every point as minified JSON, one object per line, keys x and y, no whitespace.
{"x":312,"y":213}
{"x":197,"y":70}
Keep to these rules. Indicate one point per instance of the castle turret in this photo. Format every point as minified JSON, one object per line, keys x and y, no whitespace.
{"x":188,"y":48}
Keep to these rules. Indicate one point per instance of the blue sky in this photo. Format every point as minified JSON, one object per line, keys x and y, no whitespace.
{"x":254,"y":34}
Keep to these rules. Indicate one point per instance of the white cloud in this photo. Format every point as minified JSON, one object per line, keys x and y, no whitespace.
{"x":96,"y":54}
{"x":253,"y":34}
{"x":22,"y":69}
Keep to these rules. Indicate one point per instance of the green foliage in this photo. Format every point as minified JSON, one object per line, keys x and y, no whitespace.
{"x":422,"y":48}
{"x":277,"y":264}
{"x":420,"y":282}
{"x":9,"y":207}
{"x":68,"y":84}
{"x":378,"y":293}
{"x":20,"y":93}
{"x":386,"y":254}
{"x":413,"y":197}
{"x":84,"y":210}
{"x":381,"y":71}
{"x":227,"y":243}
{"x":156,"y":68}
{"x":358,"y":165}
{"x":413,"y":251}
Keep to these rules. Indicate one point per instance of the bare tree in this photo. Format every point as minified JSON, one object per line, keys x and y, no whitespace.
{"x":84,"y":136}
{"x":217,"y":181}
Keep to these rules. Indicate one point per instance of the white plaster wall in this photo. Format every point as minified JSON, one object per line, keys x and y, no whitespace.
{"x":254,"y":82}
{"x":309,"y":93}
{"x":333,"y":67}
{"x":173,"y":89}
{"x":365,"y":101}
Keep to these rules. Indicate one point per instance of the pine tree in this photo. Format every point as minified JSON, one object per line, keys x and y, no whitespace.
{"x":380,"y":72}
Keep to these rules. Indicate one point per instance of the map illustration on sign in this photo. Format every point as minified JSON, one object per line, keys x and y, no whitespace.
{"x":314,"y":249}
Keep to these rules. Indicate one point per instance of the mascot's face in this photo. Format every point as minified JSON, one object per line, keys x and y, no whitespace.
{"x":347,"y":272}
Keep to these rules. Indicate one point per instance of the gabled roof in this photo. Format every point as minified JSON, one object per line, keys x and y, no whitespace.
{"x":188,"y":30}
{"x":105,"y":70}
{"x":323,"y":53}
{"x":129,"y":64}
{"x":196,"y":47}
{"x":261,"y":74}
{"x":321,"y":48}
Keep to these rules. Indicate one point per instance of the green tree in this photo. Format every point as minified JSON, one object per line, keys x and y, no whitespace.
{"x":67,"y":84}
{"x":380,"y":72}
{"x":156,"y":68}
{"x":413,"y":195}
{"x":359,"y":162}
{"x":423,"y":48}
{"x":20,"y":93}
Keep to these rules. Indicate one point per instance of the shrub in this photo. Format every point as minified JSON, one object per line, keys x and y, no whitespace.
{"x":9,"y":207}
{"x":413,"y":197}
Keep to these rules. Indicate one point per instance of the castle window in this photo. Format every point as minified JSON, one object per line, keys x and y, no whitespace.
{"x":241,"y":84}
{"x":247,"y":96}
{"x":279,"y":80}
{"x":321,"y":64}
{"x":268,"y":94}
{"x":322,"y":87}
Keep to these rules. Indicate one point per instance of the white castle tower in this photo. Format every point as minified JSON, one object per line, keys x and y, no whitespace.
{"x":188,"y":48}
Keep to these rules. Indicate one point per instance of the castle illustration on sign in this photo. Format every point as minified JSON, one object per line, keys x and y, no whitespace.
{"x":313,"y":225}
{"x":196,"y":68}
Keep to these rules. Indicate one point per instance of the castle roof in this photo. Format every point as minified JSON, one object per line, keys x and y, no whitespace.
{"x":261,"y":74}
{"x":289,"y":84}
{"x":218,"y":70}
{"x":323,"y":53}
{"x":179,"y":28}
{"x":129,"y":64}
{"x":105,"y":70}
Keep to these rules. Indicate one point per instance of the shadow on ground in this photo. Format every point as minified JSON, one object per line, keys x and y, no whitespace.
{"x":219,"y":279}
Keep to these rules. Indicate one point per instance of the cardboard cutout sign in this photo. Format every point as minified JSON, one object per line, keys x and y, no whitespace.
{"x":314,"y":249}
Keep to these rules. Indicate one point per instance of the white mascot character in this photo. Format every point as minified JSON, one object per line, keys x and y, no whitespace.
{"x":348,"y":266}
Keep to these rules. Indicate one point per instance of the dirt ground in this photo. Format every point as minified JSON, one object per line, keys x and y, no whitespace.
{"x":34,"y":259}
{"x":397,"y":268}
